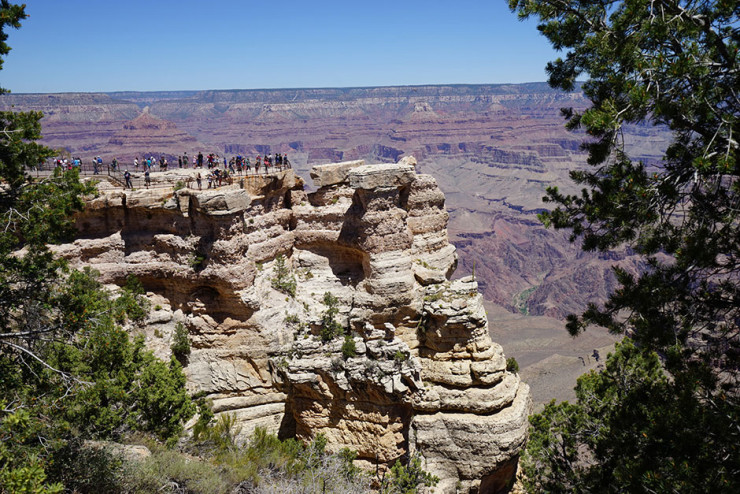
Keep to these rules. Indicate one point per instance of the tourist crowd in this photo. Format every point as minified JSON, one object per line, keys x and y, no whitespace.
{"x":235,"y":165}
{"x":221,"y":169}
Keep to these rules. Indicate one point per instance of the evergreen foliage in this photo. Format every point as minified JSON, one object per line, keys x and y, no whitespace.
{"x":672,"y":63}
{"x":330,"y":327}
{"x":632,"y":429}
{"x":68,"y":372}
{"x":349,"y":347}
{"x":407,"y":479}
{"x":284,"y":280}
{"x":263,"y":463}
{"x":180,"y":342}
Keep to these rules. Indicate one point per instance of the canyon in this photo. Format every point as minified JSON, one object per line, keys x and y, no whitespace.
{"x":493,"y":150}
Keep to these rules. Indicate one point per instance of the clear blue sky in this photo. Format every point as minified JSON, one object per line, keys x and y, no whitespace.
{"x":109,"y":45}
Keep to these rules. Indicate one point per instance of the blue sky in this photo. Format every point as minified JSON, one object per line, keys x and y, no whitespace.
{"x":104,"y":45}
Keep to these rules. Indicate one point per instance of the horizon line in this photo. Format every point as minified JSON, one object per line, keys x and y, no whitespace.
{"x":318,"y":88}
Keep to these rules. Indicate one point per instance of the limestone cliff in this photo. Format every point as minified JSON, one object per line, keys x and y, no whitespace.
{"x":415,"y":369}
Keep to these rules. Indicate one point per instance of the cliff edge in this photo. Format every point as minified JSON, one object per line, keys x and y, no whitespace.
{"x":330,"y":312}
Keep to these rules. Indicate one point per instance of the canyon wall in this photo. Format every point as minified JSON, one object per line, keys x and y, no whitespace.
{"x":493,"y":150}
{"x":326,"y":312}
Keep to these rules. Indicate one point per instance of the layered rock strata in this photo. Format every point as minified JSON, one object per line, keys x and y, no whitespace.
{"x":330,"y":312}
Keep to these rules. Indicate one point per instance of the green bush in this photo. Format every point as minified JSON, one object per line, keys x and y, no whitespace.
{"x":131,"y":303}
{"x":349,"y":348}
{"x":175,"y":472}
{"x":330,"y":327}
{"x":197,"y":261}
{"x":180,"y":342}
{"x":122,"y":388}
{"x":283,"y":281}
{"x":86,"y":469}
{"x":512,"y":365}
{"x":267,"y":464}
{"x":407,"y":479}
{"x":133,"y":285}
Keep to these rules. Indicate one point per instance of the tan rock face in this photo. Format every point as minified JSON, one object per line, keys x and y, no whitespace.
{"x":412,"y":368}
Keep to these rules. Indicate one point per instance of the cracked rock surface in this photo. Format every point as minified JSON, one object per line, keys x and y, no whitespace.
{"x":330,"y":312}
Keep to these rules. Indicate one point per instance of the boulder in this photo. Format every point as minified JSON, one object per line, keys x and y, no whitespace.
{"x":333,"y":173}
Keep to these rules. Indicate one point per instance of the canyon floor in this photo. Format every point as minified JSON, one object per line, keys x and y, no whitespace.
{"x":549,"y":359}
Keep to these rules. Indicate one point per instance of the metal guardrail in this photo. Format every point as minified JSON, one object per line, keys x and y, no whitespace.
{"x":138,"y":182}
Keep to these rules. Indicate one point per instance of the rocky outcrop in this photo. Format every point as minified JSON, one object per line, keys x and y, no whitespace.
{"x":326,"y":312}
{"x":494,"y":149}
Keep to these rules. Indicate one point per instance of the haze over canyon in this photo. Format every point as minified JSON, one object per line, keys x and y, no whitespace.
{"x":493,"y":149}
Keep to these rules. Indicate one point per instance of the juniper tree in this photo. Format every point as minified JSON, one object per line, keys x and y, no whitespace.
{"x":68,"y":372}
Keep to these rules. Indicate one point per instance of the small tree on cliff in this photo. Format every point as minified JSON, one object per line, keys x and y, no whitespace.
{"x":330,"y":327}
{"x":673,"y":63}
{"x":67,"y":371}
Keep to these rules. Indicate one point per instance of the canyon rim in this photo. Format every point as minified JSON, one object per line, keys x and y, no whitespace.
{"x":252,"y":269}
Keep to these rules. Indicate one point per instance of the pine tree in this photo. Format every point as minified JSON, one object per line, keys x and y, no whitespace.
{"x":672,"y":63}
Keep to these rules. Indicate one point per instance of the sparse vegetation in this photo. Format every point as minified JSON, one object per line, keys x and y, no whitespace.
{"x":349,"y":347}
{"x":512,"y":365}
{"x":263,"y":464}
{"x":520,"y":300}
{"x":179,"y":185}
{"x":292,"y":319}
{"x":180,"y":342}
{"x":283,"y":280}
{"x":424,"y":263}
{"x":197,"y":261}
{"x":421,"y":326}
{"x":407,"y":478}
{"x":330,"y":327}
{"x":433,"y":297}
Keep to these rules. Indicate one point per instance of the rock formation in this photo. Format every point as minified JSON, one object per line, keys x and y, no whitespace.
{"x":493,"y":149}
{"x":260,"y":272}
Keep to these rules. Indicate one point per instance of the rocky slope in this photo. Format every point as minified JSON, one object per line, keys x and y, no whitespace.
{"x":258,"y":272}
